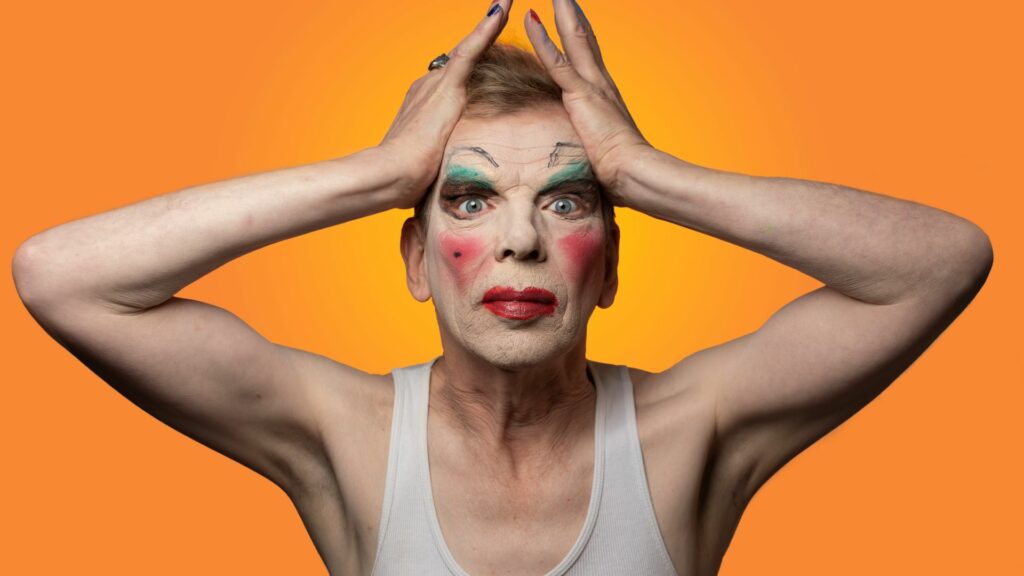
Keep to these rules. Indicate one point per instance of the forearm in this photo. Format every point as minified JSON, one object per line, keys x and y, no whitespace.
{"x":871,"y":247}
{"x":140,"y":255}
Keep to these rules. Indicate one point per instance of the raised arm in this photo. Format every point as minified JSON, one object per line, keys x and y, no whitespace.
{"x":103,"y":286}
{"x":895,"y":274}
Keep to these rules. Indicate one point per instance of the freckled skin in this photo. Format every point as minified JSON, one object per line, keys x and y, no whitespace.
{"x":581,"y":250}
{"x":462,"y":255}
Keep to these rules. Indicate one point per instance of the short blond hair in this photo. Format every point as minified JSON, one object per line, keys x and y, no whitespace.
{"x":507,"y":79}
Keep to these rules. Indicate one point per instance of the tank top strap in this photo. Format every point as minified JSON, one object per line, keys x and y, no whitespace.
{"x":626,"y":539}
{"x":403,"y":542}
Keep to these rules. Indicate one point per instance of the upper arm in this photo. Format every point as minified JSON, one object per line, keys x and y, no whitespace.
{"x":812,"y":365}
{"x":204,"y":372}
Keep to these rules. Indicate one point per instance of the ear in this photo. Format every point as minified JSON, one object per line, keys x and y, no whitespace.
{"x":413,"y":245}
{"x":611,"y":269}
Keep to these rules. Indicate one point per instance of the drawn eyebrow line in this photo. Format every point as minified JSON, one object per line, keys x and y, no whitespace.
{"x":479,"y":151}
{"x":553,"y":158}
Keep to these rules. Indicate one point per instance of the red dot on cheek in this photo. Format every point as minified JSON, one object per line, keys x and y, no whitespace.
{"x":581,"y":251}
{"x":461,"y":254}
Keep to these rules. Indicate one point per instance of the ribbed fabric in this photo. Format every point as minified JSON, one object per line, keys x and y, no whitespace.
{"x":620,"y":534}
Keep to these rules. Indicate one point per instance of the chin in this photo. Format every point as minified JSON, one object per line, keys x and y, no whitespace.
{"x":519,"y":350}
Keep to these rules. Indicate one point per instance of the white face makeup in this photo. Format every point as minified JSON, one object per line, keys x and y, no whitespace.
{"x":516,"y":206}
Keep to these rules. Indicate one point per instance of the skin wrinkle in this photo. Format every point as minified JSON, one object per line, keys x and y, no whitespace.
{"x":553,"y":158}
{"x":559,"y":408}
{"x":517,"y":391}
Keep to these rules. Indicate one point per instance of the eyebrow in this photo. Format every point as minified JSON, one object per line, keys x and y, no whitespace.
{"x":578,"y":171}
{"x":457,"y":174}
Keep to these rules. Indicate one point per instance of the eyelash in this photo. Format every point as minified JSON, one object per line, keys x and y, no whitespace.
{"x":456,"y":201}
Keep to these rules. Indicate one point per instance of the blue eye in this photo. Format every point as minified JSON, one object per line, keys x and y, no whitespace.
{"x":473,"y":201}
{"x":563,"y":202}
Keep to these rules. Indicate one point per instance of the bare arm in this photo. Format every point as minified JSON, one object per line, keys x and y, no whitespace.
{"x":870,"y":247}
{"x":896,"y":273}
{"x":137,"y":257}
{"x":103,"y":286}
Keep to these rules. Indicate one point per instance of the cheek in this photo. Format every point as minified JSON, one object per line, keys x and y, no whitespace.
{"x":461,"y":255}
{"x":581,"y":251}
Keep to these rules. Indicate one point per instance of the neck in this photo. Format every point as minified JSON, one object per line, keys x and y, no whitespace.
{"x":533,"y":413}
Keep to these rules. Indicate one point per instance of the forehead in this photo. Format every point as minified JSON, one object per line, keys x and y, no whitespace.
{"x":539,"y":138}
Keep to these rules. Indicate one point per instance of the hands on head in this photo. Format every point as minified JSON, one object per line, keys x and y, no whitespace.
{"x":435,"y":101}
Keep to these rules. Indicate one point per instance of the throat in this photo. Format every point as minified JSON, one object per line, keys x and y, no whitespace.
{"x":517,"y":419}
{"x":517,"y":437}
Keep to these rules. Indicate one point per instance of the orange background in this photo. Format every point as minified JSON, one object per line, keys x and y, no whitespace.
{"x":108,"y":103}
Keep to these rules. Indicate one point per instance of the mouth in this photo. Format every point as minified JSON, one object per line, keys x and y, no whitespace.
{"x":522,"y":304}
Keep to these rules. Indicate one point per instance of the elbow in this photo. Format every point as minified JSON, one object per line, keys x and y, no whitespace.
{"x":971,"y":259}
{"x":979,"y":253}
{"x":23,"y":271}
{"x":28,"y":270}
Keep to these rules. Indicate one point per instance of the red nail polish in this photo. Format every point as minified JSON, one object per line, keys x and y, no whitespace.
{"x":534,"y":16}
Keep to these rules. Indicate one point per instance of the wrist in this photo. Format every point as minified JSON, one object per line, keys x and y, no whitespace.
{"x":632,"y":173}
{"x":649,"y":173}
{"x":407,"y":180}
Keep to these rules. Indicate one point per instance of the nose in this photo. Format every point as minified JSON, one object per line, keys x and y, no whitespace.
{"x":520,"y":238}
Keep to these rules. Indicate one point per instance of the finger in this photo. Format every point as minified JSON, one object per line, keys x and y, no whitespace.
{"x":575,"y":41}
{"x":554,"y":61}
{"x":591,"y":38}
{"x":468,"y":51}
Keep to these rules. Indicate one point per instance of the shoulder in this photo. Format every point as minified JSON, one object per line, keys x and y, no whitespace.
{"x":337,"y":390}
{"x":676,"y":385}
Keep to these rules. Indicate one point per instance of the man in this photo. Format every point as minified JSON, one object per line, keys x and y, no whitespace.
{"x":511,"y":452}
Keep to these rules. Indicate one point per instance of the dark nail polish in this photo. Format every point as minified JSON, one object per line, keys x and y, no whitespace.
{"x":495,"y":8}
{"x":534,"y":17}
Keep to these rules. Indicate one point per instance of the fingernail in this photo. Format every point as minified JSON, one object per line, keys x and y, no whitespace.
{"x":534,"y":17}
{"x":495,"y":8}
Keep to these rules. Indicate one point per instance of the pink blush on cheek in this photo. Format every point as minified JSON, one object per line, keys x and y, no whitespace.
{"x":581,"y":251}
{"x":462,"y":255}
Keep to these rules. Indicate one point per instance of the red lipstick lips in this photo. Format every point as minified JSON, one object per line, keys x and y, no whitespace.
{"x":522,"y":304}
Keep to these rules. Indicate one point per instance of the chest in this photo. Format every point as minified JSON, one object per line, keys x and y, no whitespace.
{"x":516,"y":526}
{"x":492,"y":526}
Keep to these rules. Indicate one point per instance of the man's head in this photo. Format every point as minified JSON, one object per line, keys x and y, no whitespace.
{"x":515,"y":205}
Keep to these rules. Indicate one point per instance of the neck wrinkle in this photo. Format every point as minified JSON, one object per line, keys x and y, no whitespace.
{"x":547,"y":424}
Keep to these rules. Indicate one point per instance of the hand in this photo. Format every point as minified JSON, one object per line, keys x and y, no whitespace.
{"x":600,"y":117}
{"x":432,"y":106}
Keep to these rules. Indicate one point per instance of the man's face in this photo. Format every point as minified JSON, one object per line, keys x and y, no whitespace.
{"x":515,"y":207}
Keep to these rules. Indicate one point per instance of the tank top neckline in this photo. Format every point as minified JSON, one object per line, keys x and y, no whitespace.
{"x":597,"y":480}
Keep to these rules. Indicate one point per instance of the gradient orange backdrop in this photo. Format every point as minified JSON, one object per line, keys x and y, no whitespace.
{"x":108,"y":103}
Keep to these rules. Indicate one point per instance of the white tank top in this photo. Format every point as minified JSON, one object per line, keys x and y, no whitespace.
{"x":620,"y":534}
